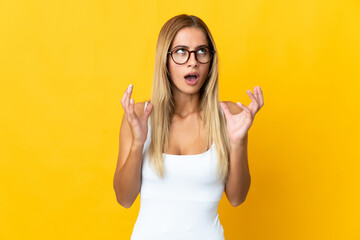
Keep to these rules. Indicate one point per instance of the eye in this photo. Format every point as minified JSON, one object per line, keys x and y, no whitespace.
{"x":202,"y":51}
{"x":180,"y":51}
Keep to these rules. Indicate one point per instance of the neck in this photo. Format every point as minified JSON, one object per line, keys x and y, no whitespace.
{"x":186,"y":104}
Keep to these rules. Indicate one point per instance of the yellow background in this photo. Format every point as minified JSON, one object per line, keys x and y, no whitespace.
{"x":65,"y":65}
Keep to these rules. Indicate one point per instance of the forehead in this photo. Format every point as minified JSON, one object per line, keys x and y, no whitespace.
{"x":191,"y":37}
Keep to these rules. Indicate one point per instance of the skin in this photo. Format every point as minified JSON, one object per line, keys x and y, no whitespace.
{"x":187,"y":97}
{"x":187,"y":130}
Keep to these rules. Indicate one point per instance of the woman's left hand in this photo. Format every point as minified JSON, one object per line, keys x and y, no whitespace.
{"x":238,"y":125}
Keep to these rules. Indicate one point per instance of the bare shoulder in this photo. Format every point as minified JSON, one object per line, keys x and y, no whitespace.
{"x":233,"y":107}
{"x":139,"y":108}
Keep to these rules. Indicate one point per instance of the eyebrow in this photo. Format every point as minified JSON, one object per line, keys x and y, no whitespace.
{"x":183,"y":46}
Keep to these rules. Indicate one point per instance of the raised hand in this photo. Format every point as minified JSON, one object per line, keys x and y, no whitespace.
{"x":138,"y":125}
{"x":238,"y":125}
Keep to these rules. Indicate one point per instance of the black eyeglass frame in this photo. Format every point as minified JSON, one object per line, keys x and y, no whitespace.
{"x":212,"y":51}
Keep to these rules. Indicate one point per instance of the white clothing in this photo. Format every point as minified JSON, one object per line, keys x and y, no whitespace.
{"x":183,"y":205}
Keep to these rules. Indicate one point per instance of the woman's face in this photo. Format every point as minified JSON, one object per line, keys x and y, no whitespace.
{"x":190,"y":38}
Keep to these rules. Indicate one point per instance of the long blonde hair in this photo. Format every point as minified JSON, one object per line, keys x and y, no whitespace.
{"x":163,"y":102}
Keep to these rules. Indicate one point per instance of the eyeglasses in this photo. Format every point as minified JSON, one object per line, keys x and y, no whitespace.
{"x":182,"y":55}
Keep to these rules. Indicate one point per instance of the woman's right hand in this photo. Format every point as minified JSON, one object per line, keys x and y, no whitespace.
{"x":138,"y":125}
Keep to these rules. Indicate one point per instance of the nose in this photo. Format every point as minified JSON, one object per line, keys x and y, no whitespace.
{"x":192,"y":60}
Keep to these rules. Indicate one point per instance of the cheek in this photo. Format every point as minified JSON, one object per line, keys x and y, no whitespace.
{"x":174,"y":70}
{"x":205,"y":71}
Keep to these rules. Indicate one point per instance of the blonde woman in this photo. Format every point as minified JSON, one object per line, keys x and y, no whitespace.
{"x":183,"y":148}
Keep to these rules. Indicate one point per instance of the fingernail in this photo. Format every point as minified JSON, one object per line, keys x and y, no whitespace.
{"x":129,"y":87}
{"x":131,"y":101}
{"x":239,"y":103}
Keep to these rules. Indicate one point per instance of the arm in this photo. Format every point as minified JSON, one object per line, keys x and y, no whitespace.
{"x":239,"y":119}
{"x":238,"y":181}
{"x":127,"y":178}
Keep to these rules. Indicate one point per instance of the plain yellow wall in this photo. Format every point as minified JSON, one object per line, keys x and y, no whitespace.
{"x":65,"y":65}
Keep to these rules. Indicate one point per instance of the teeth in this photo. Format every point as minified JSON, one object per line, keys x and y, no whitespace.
{"x":191,"y":76}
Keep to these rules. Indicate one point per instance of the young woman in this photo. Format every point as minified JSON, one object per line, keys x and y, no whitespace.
{"x":182,"y":149}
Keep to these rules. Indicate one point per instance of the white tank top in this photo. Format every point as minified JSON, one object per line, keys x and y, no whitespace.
{"x":183,"y":205}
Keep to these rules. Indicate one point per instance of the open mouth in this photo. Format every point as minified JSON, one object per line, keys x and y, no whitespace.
{"x":191,"y":77}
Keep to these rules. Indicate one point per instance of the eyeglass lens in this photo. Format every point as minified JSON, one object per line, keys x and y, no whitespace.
{"x":182,"y":55}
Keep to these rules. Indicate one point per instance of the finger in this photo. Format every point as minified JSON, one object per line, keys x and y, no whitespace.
{"x":257,"y":96}
{"x":124,"y":95}
{"x":147,"y":110}
{"x":132,"y":113}
{"x":241,"y":105}
{"x":225,"y":109}
{"x":254,"y":105}
{"x":260,"y":96}
{"x":256,"y":93}
{"x":123,"y":100}
{"x":253,"y":98}
{"x":128,"y":97}
{"x":245,"y":108}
